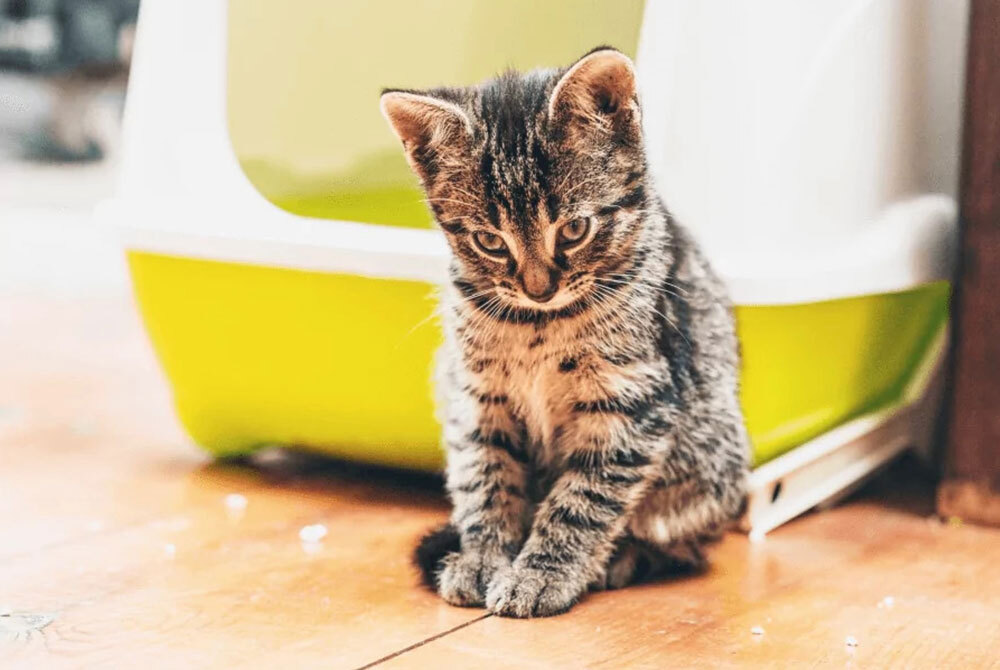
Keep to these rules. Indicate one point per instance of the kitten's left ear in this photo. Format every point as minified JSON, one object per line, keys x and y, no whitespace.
{"x":597,"y":93}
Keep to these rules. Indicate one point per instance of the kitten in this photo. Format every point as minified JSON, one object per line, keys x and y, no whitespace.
{"x":589,"y":374}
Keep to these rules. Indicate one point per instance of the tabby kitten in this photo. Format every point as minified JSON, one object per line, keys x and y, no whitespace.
{"x":589,"y":372}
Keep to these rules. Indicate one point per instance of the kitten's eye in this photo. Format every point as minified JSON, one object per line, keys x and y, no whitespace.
{"x":490,"y":243}
{"x":573,"y":232}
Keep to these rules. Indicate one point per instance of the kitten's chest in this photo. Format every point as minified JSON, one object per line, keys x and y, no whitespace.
{"x":540,"y":395}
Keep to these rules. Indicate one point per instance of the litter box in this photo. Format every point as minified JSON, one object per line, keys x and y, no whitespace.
{"x":284,"y":264}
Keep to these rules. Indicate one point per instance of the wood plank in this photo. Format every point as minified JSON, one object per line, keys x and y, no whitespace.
{"x":194,"y":587}
{"x":80,"y":394}
{"x":809,"y":586}
{"x":972,"y":461}
{"x":112,"y":522}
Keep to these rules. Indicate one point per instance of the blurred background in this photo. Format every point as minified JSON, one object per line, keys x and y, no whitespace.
{"x":63,"y":73}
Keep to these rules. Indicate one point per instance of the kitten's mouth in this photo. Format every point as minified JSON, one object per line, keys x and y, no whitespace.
{"x":560,"y":300}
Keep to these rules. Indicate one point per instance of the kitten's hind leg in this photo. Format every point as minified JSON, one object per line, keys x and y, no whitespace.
{"x":668,"y":532}
{"x":636,"y":561}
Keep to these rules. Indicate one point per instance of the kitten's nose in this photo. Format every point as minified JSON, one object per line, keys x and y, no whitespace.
{"x":540,"y":283}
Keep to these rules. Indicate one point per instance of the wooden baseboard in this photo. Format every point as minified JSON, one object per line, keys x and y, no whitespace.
{"x":969,"y":500}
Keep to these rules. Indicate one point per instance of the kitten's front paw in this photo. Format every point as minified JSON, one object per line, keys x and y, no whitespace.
{"x":465,"y":576}
{"x":520,"y":591}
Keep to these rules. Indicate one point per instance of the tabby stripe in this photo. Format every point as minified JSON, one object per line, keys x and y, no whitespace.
{"x":602,"y":501}
{"x":588,"y":460}
{"x":635,"y":197}
{"x":514,"y":491}
{"x":500,"y":440}
{"x":625,"y":478}
{"x":623,"y":359}
{"x":574,"y":519}
{"x":490,"y":191}
{"x":470,"y":487}
{"x":637,"y":408}
{"x":453,"y":227}
{"x":550,"y":559}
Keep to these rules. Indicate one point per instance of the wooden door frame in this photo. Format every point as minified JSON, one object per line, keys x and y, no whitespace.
{"x":971,"y":485}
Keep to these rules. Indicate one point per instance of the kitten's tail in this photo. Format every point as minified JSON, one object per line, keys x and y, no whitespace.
{"x":431,"y":550}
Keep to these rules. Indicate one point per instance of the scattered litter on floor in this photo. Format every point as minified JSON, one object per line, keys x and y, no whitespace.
{"x":170,"y":550}
{"x":236,"y":504}
{"x":95,"y":526}
{"x":757,"y":631}
{"x":757,"y":536}
{"x":886,"y":603}
{"x":955,"y":521}
{"x":6,"y":610}
{"x":851,"y":642}
{"x":19,"y":625}
{"x":312,"y":533}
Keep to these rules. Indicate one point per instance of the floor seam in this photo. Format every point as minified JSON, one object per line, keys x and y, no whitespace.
{"x":421,"y":643}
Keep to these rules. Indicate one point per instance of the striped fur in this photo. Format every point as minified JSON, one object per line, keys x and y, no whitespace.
{"x":594,"y":431}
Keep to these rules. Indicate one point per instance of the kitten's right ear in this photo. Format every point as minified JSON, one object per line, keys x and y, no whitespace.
{"x":597,"y":95}
{"x":431,"y":129}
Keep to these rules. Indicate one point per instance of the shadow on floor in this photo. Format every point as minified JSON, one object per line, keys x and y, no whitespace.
{"x":316,"y":474}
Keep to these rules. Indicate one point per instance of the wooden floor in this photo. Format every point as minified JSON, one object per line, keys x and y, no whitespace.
{"x":115,"y":531}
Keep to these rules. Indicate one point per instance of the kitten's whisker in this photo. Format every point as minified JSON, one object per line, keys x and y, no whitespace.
{"x":641,"y":284}
{"x":623,"y":278}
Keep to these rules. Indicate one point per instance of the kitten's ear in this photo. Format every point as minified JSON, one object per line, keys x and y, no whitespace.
{"x":597,"y":93}
{"x":431,"y":129}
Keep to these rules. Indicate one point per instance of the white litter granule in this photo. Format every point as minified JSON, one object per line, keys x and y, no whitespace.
{"x":312,"y":548}
{"x":170,"y":550}
{"x":313,"y":533}
{"x":851,"y":641}
{"x":757,"y":536}
{"x":757,"y":631}
{"x":887,"y":603}
{"x":95,"y":525}
{"x":236,"y":502}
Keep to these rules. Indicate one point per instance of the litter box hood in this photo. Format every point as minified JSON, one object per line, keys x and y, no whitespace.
{"x":279,"y":328}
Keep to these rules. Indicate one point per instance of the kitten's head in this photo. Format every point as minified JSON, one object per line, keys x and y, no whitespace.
{"x":537,"y":179}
